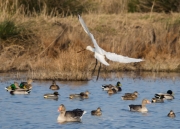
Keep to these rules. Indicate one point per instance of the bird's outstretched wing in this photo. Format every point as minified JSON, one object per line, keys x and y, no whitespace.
{"x":109,"y":55}
{"x":120,"y":58}
{"x":97,"y":48}
{"x":83,"y":25}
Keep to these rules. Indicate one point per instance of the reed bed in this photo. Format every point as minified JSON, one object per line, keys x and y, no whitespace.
{"x":46,"y":46}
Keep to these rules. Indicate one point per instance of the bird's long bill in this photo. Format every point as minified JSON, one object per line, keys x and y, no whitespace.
{"x":81,"y":50}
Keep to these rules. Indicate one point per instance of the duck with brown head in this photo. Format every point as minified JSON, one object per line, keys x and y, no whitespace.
{"x":171,"y":114}
{"x":96,"y":112}
{"x":26,"y":85}
{"x":134,"y":93}
{"x":82,"y":95}
{"x":69,"y":116}
{"x":111,"y":91}
{"x":54,"y":86}
{"x":130,"y":96}
{"x":140,"y":108}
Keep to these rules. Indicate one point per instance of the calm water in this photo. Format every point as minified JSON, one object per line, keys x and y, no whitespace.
{"x":33,"y":111}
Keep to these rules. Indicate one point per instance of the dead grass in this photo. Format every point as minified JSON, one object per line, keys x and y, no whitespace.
{"x":48,"y":48}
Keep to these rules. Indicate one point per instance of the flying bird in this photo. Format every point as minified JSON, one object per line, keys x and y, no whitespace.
{"x":100,"y":54}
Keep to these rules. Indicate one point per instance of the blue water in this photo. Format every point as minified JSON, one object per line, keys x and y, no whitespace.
{"x":33,"y":111}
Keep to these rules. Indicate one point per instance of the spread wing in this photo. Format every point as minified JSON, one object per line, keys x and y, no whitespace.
{"x":100,"y":51}
{"x":120,"y":58}
{"x":97,"y":48}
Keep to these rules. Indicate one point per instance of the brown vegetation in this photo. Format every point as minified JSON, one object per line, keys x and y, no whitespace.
{"x":47,"y":46}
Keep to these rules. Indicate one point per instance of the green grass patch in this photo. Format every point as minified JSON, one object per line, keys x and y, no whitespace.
{"x":8,"y":29}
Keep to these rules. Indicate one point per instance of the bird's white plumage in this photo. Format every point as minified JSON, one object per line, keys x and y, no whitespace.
{"x":100,"y":58}
{"x":120,"y":58}
{"x":97,"y":48}
{"x":100,"y":53}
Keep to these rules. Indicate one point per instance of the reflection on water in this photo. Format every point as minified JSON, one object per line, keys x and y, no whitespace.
{"x":33,"y":111}
{"x":103,"y":75}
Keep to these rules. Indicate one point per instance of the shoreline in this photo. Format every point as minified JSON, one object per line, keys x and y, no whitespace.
{"x":17,"y":75}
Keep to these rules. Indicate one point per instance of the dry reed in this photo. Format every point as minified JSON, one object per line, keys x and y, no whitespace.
{"x":47,"y":47}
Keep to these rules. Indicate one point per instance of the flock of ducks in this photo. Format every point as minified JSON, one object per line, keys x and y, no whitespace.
{"x":76,"y":114}
{"x":158,"y":98}
{"x":22,"y":88}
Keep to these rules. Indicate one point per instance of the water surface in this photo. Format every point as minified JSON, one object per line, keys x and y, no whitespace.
{"x":33,"y":111}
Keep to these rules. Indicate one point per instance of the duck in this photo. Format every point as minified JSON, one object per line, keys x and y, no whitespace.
{"x":20,"y":91}
{"x":12,"y":87}
{"x":83,"y":95}
{"x":96,"y":112}
{"x":107,"y":87}
{"x":130,"y":96}
{"x":54,"y":86}
{"x":134,"y":93}
{"x":169,"y":95}
{"x":51,"y":95}
{"x":171,"y":114}
{"x":71,"y":115}
{"x":158,"y":100}
{"x":111,"y":91}
{"x":117,"y":88}
{"x":140,"y":108}
{"x":26,"y":85}
{"x":110,"y":86}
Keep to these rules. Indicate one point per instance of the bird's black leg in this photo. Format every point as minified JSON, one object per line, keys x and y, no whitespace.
{"x":98,"y":72}
{"x":94,"y":67}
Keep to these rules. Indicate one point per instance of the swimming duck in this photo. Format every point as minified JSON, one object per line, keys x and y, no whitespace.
{"x":20,"y":91}
{"x":171,"y":114}
{"x":73,"y":115}
{"x":54,"y":86}
{"x":140,"y":108}
{"x":96,"y":112}
{"x":26,"y":85}
{"x":134,"y":93}
{"x":117,"y":88}
{"x":13,"y":86}
{"x":169,"y":95}
{"x":83,"y":95}
{"x":111,"y":91}
{"x":130,"y":96}
{"x":158,"y":100}
{"x":107,"y":87}
{"x":51,"y":95}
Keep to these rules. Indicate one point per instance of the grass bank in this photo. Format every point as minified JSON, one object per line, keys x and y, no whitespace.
{"x":47,"y":46}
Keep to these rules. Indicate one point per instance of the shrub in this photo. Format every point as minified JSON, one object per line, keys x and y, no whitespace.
{"x":159,"y":6}
{"x":8,"y":29}
{"x":63,"y":7}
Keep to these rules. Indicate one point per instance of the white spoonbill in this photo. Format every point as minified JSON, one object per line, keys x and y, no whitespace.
{"x":100,"y":54}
